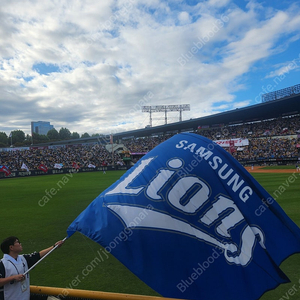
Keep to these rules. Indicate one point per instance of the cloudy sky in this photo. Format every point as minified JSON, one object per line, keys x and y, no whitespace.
{"x":91,"y":65}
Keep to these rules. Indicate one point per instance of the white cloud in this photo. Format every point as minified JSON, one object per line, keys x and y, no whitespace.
{"x":241,"y":104}
{"x":184,"y":17}
{"x":286,"y":68}
{"x":111,"y":55}
{"x":218,"y":3}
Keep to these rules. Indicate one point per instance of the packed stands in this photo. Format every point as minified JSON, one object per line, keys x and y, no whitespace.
{"x":82,"y":155}
{"x":269,"y":139}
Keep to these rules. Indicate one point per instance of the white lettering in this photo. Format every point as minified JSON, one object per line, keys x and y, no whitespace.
{"x":157,"y":183}
{"x":178,"y":194}
{"x":122,"y":187}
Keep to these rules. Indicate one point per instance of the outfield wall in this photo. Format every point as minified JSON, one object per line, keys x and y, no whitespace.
{"x":271,"y":161}
{"x":15,"y":174}
{"x":255,"y":162}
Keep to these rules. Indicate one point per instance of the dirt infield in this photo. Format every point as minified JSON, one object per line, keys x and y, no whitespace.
{"x":261,"y":170}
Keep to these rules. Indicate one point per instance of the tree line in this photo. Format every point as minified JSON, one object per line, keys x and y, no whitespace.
{"x":18,"y":138}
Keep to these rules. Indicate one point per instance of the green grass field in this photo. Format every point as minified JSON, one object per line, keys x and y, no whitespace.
{"x":39,"y":220}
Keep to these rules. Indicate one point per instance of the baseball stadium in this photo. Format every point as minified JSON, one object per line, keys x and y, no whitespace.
{"x":45,"y":186}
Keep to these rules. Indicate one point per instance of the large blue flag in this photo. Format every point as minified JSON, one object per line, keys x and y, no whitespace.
{"x":192,"y":223}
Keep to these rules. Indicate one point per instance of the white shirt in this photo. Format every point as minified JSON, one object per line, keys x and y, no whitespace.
{"x":16,"y":290}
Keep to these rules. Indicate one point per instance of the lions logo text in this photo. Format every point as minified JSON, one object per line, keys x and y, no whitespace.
{"x":178,"y":197}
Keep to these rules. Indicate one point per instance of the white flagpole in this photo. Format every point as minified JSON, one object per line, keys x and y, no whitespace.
{"x":43,"y":257}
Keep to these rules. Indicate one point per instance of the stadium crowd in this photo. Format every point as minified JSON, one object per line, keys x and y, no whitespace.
{"x":267,"y":139}
{"x":277,"y":138}
{"x":80,"y":155}
{"x":277,"y":127}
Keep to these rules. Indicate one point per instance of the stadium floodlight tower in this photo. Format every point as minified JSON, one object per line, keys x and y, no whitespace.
{"x":166,"y":108}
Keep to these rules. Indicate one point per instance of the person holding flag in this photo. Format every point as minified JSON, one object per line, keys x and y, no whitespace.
{"x":14,"y":285}
{"x":43,"y":168}
{"x":24,"y":167}
{"x":5,"y":170}
{"x":75,"y":165}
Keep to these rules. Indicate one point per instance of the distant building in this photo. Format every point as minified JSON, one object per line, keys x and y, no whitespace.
{"x":41,"y":127}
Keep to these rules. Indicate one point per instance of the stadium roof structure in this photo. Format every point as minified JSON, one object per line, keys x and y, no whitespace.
{"x":262,"y":111}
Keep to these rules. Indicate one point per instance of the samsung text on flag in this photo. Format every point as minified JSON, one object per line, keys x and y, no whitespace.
{"x":225,"y":173}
